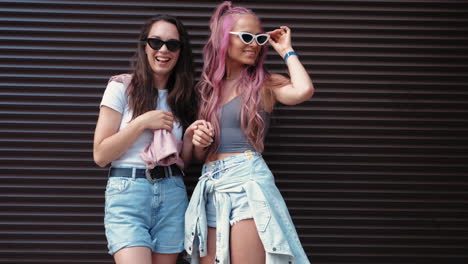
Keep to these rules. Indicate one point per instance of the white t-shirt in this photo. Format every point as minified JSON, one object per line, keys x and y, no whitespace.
{"x":116,"y":98}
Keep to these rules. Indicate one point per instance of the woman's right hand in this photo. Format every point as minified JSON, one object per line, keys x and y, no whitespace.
{"x":157,"y":119}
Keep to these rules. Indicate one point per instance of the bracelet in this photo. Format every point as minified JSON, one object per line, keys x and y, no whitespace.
{"x":286,"y":56}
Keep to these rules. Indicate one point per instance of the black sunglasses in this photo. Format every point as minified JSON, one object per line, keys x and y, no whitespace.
{"x":156,"y":44}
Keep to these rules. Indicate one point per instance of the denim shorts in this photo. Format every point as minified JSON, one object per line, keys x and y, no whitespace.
{"x":138,"y":213}
{"x":225,"y":168}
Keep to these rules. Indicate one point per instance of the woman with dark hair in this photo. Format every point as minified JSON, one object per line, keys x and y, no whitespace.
{"x":236,"y":213}
{"x":144,"y":210}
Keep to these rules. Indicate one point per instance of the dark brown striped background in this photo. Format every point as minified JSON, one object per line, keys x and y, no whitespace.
{"x":374,"y":168}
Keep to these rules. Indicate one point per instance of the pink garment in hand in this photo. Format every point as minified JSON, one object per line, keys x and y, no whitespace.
{"x":163,"y":151}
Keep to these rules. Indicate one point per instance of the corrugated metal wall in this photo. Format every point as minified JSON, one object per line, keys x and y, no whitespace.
{"x":373,"y":168}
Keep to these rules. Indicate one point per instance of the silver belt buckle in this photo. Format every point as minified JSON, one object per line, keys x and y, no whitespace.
{"x":150,"y":179}
{"x":148,"y":176}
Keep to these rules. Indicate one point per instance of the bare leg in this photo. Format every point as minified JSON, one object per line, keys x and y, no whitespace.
{"x":246,"y":246}
{"x":132,"y":255}
{"x":164,"y":258}
{"x":211,"y":241}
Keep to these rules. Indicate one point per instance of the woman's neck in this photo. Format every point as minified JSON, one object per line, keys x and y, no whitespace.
{"x":233,"y":72}
{"x":160,"y":82}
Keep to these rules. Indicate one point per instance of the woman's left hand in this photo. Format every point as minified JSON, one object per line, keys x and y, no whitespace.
{"x":280,"y":40}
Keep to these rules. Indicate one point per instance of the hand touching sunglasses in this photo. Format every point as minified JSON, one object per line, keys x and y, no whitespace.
{"x":247,"y":37}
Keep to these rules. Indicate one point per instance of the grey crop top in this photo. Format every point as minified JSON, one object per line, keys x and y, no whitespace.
{"x":232,"y":137}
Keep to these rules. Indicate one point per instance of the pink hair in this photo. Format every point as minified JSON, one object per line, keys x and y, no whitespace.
{"x":211,"y":84}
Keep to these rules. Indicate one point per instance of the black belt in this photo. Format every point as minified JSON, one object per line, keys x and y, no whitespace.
{"x":153,"y":175}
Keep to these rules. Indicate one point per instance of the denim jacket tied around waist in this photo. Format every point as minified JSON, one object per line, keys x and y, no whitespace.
{"x":270,"y":214}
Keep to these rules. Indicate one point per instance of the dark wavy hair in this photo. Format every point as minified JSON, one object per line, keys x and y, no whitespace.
{"x":181,"y":98}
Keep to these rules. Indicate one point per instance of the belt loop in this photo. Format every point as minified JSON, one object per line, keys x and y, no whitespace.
{"x":109,"y":172}
{"x":168,"y":171}
{"x":249,"y":154}
{"x":133,"y":173}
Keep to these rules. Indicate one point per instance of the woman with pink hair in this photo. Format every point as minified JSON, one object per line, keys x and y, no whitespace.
{"x":236,"y":213}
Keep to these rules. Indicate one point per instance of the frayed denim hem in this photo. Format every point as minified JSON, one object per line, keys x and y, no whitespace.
{"x":236,"y":220}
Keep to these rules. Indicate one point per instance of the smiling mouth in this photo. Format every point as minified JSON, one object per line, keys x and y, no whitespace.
{"x":162,"y":59}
